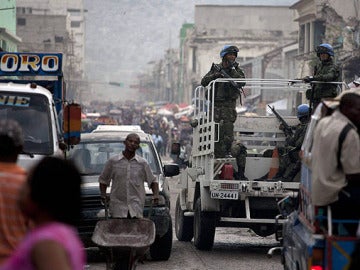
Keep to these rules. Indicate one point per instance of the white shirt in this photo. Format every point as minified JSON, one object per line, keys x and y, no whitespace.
{"x":327,"y":178}
{"x":127,"y":190}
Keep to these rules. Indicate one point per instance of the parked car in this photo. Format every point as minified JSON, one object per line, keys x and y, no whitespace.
{"x":91,"y":155}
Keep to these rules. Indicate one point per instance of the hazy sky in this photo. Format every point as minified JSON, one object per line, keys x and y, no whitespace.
{"x":123,"y":36}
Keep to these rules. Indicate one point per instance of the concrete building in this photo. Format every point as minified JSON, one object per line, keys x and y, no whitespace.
{"x":336,"y":22}
{"x":262,"y":34}
{"x":8,"y":38}
{"x":56,"y":26}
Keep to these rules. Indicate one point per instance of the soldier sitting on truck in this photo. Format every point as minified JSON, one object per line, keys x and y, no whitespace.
{"x":289,"y":161}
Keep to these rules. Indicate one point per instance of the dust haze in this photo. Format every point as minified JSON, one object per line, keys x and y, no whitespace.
{"x":124,"y":37}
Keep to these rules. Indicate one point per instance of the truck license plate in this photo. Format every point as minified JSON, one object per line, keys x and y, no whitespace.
{"x":225,"y":195}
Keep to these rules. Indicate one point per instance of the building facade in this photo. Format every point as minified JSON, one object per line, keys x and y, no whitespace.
{"x":335,"y":22}
{"x":258,"y":31}
{"x":275,"y":41}
{"x":56,"y":26}
{"x":8,"y":38}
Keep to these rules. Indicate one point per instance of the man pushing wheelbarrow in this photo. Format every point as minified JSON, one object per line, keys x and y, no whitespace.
{"x":127,"y":229}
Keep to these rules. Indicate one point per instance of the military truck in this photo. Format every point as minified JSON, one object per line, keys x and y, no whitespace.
{"x":209,"y":197}
{"x":32,"y":92}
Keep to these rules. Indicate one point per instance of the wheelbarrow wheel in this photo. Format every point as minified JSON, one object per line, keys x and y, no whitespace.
{"x":122,"y":264}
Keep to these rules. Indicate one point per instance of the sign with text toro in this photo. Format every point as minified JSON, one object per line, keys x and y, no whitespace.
{"x":25,"y":64}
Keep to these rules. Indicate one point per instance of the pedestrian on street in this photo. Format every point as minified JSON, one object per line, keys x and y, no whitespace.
{"x":158,"y":141}
{"x":325,"y":71}
{"x":13,"y":224}
{"x":128,"y":172}
{"x":225,"y":97}
{"x":51,"y":197}
{"x":335,"y":160}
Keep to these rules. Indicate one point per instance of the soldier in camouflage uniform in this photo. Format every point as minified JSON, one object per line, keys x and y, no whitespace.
{"x":289,"y":161}
{"x":225,"y":98}
{"x":325,"y":71}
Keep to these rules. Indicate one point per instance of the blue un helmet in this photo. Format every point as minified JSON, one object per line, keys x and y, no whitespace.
{"x":303,"y":110}
{"x":325,"y":48}
{"x":228,"y":49}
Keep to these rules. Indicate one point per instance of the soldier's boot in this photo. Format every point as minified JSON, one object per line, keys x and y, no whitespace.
{"x":240,"y":175}
{"x":288,"y":175}
{"x":278,"y":177}
{"x":281,"y":178}
{"x":279,"y":174}
{"x":228,"y":153}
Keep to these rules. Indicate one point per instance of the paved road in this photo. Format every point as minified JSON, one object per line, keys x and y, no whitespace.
{"x":234,"y":248}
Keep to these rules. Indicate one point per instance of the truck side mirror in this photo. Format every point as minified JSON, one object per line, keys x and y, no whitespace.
{"x":72,"y":123}
{"x":171,"y":169}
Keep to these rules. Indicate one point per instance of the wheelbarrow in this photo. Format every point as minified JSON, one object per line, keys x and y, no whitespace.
{"x":123,"y":241}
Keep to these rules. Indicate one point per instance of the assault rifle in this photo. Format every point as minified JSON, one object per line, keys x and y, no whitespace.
{"x":234,"y":84}
{"x":287,"y":129}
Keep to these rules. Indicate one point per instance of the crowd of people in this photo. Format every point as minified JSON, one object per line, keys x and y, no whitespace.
{"x":165,"y":129}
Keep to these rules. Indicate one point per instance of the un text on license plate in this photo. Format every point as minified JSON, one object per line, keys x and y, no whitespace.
{"x":225,"y":195}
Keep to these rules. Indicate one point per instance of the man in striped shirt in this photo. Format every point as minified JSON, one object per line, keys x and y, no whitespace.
{"x":13,"y":225}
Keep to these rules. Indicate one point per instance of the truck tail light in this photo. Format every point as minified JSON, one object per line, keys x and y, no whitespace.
{"x":317,"y":259}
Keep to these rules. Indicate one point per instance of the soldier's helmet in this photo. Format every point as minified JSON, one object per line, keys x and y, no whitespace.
{"x":228,"y":49}
{"x":303,"y":110}
{"x":325,"y":48}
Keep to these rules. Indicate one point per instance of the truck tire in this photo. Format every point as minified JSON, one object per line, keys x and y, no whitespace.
{"x":160,"y":250}
{"x":204,"y":228}
{"x":184,"y":226}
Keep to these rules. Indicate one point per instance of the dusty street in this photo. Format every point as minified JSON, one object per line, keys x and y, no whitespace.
{"x":234,"y":248}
